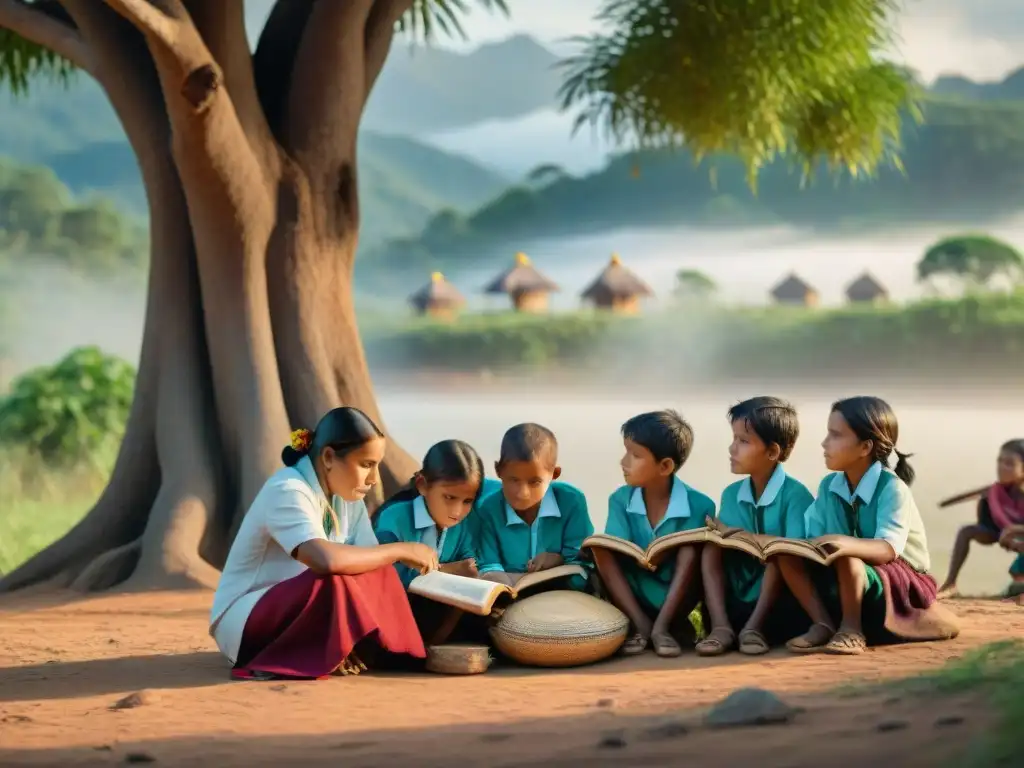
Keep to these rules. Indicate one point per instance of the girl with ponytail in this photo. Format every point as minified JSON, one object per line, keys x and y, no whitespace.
{"x":879,"y":591}
{"x":306,"y":582}
{"x":436,"y":509}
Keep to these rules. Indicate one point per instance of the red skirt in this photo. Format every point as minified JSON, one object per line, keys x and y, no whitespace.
{"x":306,"y":626}
{"x":911,"y":609}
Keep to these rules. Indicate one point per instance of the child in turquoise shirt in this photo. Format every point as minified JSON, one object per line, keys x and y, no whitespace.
{"x":879,"y":591}
{"x":534,"y":523}
{"x":436,"y":509}
{"x":738,"y":590}
{"x":654,"y":503}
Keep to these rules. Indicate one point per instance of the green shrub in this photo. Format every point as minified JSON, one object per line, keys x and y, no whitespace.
{"x":71,"y":412}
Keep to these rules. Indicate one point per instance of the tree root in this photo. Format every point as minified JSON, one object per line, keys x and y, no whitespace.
{"x":110,"y":568}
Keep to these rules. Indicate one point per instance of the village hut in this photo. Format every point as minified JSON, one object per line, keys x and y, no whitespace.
{"x":528,"y":288}
{"x":866,"y":290}
{"x":438,"y":298}
{"x":795,"y":291}
{"x":617,"y":289}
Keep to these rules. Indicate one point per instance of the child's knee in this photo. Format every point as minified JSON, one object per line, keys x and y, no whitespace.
{"x":605,"y":561}
{"x":850,"y":569}
{"x":688,"y":556}
{"x":789,"y":566}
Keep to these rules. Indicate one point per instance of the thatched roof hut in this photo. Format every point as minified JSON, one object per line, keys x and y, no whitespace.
{"x":617,"y":289}
{"x":793,"y":290}
{"x":527,"y":287}
{"x":438,"y":298}
{"x":866,"y":290}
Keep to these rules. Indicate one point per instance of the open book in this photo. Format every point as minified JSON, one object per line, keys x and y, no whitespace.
{"x":479,"y":595}
{"x":756,"y":545}
{"x":650,"y":557}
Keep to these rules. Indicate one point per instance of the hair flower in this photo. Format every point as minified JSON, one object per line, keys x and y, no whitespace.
{"x":301,"y":440}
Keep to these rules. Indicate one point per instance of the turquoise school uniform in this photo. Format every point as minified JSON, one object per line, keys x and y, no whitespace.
{"x":409,"y":521}
{"x":779,"y":512}
{"x":507,"y":543}
{"x":880,"y":507}
{"x":627,"y":519}
{"x":1017,"y":569}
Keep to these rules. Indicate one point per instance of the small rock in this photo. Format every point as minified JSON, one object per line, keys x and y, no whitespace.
{"x":103,"y":748}
{"x":606,"y":703}
{"x":133,"y":700}
{"x":139,"y":757}
{"x":749,"y":706}
{"x":15,"y":719}
{"x":612,"y":741}
{"x":892,"y":700}
{"x":944,"y":722}
{"x":279,"y":688}
{"x":672,"y":730}
{"x":891,"y":725}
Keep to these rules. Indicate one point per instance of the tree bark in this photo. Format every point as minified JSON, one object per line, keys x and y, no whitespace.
{"x":250,"y":326}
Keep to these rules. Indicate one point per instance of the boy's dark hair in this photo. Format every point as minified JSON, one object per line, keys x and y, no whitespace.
{"x":527,"y":442}
{"x":1014,"y":446}
{"x":871,"y":418}
{"x":665,"y":434}
{"x":771,"y":419}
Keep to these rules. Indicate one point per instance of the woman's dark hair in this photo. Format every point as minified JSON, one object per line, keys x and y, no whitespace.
{"x":343,"y":429}
{"x":871,"y":418}
{"x":1013,"y":446}
{"x":450,"y":461}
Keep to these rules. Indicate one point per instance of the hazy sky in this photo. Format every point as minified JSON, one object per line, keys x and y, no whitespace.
{"x":980,"y":38}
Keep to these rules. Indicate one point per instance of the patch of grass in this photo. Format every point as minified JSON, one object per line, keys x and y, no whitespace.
{"x":39,"y":504}
{"x":997,"y":671}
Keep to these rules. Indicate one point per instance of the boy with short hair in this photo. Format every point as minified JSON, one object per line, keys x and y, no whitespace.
{"x":654,"y":503}
{"x":738,"y":589}
{"x":535,"y":523}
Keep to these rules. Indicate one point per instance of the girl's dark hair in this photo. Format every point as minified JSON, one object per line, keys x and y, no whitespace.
{"x":450,"y":461}
{"x":1013,"y":446}
{"x":343,"y":429}
{"x":871,"y":418}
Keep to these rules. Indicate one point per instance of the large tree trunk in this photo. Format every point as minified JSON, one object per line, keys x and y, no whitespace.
{"x":249,"y":168}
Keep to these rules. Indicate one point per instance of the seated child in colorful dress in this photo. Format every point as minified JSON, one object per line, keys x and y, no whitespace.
{"x":880,"y":591}
{"x":534,"y":523}
{"x":653,"y":503}
{"x":1000,"y":508}
{"x":434,"y":509}
{"x":739,"y":591}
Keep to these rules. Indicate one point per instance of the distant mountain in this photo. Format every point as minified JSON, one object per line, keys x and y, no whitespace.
{"x":424,"y":90}
{"x":75,"y":132}
{"x":965,"y":163}
{"x":1011,"y":88}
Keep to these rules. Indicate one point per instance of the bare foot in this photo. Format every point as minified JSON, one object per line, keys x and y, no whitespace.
{"x":947,"y":592}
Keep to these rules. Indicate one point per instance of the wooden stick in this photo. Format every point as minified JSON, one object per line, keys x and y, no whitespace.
{"x":968,"y":496}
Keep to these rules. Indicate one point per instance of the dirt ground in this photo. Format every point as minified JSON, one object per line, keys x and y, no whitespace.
{"x":64,"y":664}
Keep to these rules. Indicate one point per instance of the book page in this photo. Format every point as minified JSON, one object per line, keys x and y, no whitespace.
{"x":615,"y":544}
{"x":531,"y":580}
{"x":471,"y":595}
{"x":808,"y":550}
{"x":664,"y":544}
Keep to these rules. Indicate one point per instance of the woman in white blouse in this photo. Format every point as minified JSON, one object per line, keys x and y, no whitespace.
{"x":306,"y":581}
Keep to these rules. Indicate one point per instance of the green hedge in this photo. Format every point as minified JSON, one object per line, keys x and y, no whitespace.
{"x":928,"y":335}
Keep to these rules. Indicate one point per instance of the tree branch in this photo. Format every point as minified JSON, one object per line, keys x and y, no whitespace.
{"x":275,"y":58}
{"x":154,"y":18}
{"x":380,"y":32}
{"x":221,"y":25}
{"x":45,"y":29}
{"x":328,"y":86}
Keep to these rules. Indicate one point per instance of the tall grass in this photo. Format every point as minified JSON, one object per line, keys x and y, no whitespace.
{"x":39,"y":503}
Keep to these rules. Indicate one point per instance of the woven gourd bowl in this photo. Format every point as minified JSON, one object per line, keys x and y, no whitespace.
{"x":560,"y":629}
{"x":458,"y":659}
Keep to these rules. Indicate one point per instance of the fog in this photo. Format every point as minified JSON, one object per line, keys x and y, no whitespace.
{"x":954,"y":436}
